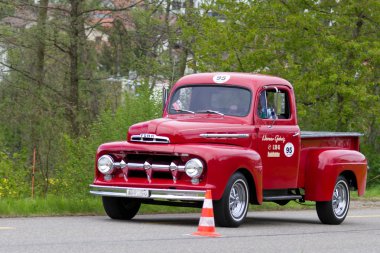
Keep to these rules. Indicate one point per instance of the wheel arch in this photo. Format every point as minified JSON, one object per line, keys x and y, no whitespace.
{"x":253,"y":199}
{"x":325,"y":166}
{"x":224,"y":161}
{"x":351,"y":179}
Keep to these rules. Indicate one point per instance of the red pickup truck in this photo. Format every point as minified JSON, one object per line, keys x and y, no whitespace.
{"x":237,"y":135}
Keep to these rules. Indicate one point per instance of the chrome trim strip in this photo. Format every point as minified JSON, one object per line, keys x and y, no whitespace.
{"x":314,"y":134}
{"x":135,"y":165}
{"x":169,"y":194}
{"x":239,"y":136}
{"x":155,"y":167}
{"x":149,"y":138}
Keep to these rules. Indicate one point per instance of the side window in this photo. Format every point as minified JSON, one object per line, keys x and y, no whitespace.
{"x":273,"y":104}
{"x":181,"y":100}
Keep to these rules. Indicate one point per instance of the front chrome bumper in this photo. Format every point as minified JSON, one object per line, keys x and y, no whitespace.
{"x":147,"y":193}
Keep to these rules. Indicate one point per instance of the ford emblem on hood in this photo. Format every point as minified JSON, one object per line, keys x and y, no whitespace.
{"x":149,"y":138}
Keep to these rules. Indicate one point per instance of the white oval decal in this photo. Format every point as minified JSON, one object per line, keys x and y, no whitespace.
{"x":221,"y":78}
{"x":289,"y":149}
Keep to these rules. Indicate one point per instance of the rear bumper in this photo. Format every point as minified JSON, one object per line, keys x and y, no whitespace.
{"x":147,"y":193}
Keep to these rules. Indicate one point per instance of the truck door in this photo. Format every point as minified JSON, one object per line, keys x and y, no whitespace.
{"x":278,"y":136}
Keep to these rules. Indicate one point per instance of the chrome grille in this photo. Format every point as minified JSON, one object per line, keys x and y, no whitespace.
{"x":148,"y":166}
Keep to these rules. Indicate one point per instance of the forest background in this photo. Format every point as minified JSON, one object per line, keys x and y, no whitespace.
{"x":75,"y":74}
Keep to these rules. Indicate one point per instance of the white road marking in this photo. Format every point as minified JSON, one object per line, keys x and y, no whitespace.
{"x":7,"y":228}
{"x":364,"y":216}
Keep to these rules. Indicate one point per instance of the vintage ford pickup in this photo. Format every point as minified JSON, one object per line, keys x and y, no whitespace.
{"x":237,"y":135}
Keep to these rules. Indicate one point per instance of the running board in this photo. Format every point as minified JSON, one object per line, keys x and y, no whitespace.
{"x":285,"y":197}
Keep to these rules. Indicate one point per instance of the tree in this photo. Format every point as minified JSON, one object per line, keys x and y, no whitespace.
{"x":329,"y":50}
{"x":53,"y":86}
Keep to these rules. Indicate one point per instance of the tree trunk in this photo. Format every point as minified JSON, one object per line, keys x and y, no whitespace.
{"x":73,"y":89}
{"x":186,"y":42}
{"x":41,"y":24}
{"x":169,"y":38}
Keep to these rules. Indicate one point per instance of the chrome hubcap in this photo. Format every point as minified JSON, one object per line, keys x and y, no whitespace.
{"x":340,"y":199}
{"x":238,"y":200}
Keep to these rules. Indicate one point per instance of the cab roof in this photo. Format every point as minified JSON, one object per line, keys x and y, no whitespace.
{"x":242,"y":79}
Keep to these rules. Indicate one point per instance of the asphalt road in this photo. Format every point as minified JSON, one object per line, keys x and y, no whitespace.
{"x":272,"y":231}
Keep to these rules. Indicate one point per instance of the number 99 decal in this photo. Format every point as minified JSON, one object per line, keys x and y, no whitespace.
{"x":289,"y":149}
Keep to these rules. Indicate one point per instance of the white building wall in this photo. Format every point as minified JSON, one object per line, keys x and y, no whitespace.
{"x":3,"y":60}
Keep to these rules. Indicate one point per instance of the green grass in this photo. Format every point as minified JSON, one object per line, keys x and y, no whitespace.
{"x":58,"y":206}
{"x":50,"y":206}
{"x":372,"y":193}
{"x":92,"y":205}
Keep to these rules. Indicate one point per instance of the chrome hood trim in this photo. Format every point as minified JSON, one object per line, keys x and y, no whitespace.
{"x":236,"y":136}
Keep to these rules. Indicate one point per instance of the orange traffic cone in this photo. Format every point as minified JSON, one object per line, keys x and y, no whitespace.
{"x":206,"y":225}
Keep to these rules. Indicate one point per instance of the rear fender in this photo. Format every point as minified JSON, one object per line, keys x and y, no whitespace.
{"x":323,"y":168}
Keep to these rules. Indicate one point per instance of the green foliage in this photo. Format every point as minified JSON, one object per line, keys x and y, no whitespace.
{"x":373,"y":193}
{"x":329,"y":50}
{"x":14,"y":176}
{"x":78,"y":155}
{"x":6,"y":10}
{"x":139,"y":51}
{"x":51,"y":205}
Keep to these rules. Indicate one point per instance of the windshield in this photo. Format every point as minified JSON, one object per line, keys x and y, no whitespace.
{"x":222,"y":100}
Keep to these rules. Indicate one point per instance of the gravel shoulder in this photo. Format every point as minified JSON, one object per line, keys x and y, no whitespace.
{"x":365,"y":203}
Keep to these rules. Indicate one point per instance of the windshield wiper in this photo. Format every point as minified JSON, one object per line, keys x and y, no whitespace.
{"x":183,"y":110}
{"x":211,"y":111}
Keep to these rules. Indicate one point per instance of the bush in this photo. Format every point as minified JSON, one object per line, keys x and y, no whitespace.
{"x":373,"y":159}
{"x":14,"y":183}
{"x":78,"y":155}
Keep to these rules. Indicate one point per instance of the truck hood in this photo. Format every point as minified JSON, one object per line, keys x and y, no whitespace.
{"x":196,"y":129}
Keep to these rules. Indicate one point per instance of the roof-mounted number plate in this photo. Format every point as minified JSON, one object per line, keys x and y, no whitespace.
{"x":138,"y":193}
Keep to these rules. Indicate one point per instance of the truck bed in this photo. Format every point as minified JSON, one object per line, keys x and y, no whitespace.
{"x":346,"y":140}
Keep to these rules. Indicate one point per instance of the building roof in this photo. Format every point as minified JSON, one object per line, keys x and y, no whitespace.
{"x":23,"y":18}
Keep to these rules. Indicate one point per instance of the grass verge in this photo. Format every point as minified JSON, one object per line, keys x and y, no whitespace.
{"x":50,"y":206}
{"x":371,"y":194}
{"x":92,"y":205}
{"x":58,"y":206}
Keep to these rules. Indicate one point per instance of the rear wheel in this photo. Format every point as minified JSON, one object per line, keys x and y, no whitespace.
{"x":231,"y":209}
{"x":335,"y":211}
{"x":121,"y":208}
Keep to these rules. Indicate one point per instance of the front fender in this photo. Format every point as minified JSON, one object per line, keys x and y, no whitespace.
{"x":222,"y":162}
{"x":323,"y":168}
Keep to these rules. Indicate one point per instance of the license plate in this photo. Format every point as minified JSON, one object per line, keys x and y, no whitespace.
{"x":137,"y":193}
{"x":150,"y":136}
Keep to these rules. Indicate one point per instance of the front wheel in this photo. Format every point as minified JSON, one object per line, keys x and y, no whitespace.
{"x":121,"y":208}
{"x":335,"y":211}
{"x":231,"y":209}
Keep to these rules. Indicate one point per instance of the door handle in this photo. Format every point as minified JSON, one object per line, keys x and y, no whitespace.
{"x":296,"y":134}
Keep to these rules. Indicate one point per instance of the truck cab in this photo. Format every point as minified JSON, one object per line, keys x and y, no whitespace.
{"x":237,"y":135}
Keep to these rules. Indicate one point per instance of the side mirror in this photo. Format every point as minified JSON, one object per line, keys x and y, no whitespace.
{"x":165,"y":93}
{"x":276,"y":102}
{"x":279,"y":99}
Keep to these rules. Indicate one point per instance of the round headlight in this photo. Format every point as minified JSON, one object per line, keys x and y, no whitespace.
{"x":194,"y":168}
{"x":105,"y":164}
